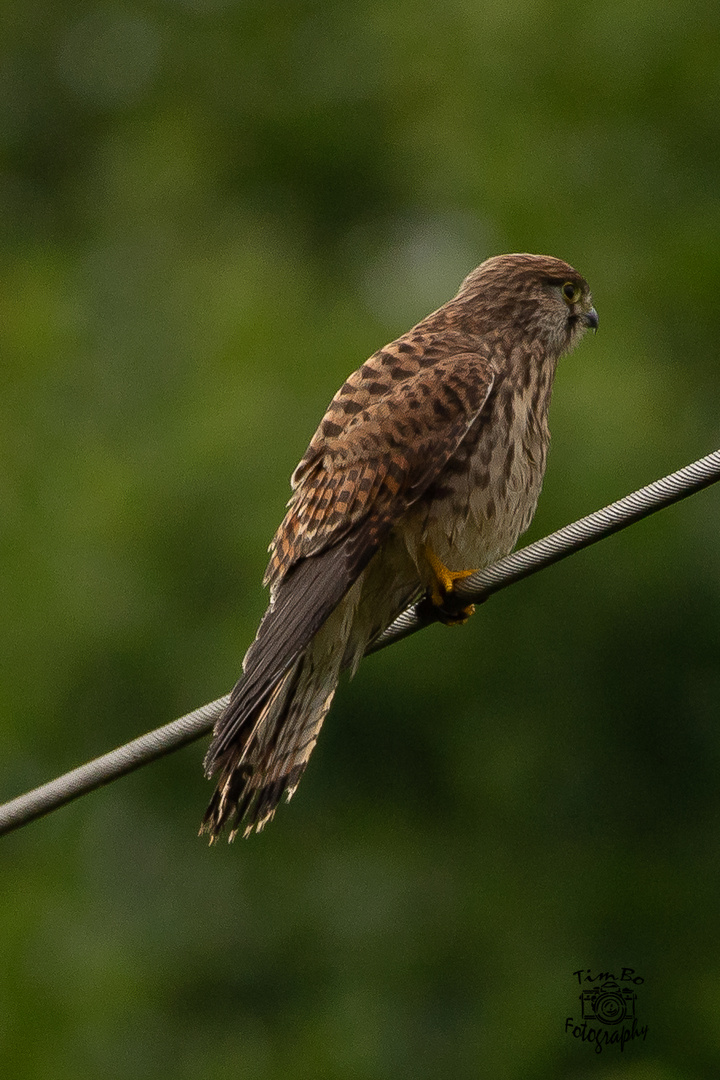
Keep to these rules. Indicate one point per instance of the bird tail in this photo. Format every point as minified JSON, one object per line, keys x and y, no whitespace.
{"x":271,"y":753}
{"x":264,"y":738}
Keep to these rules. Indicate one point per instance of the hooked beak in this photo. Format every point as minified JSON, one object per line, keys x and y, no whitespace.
{"x":590,"y":318}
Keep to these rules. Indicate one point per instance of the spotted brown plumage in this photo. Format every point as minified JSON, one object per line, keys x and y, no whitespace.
{"x":428,"y":462}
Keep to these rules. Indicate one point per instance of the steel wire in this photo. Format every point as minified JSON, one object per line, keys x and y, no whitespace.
{"x":551,"y":549}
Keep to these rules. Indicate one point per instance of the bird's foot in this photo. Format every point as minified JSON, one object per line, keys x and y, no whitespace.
{"x":441,"y":593}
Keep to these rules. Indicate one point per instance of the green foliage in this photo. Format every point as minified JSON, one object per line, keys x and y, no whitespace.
{"x":211,"y":212}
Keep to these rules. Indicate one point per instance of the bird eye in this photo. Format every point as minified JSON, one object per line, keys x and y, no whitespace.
{"x":570,"y":292}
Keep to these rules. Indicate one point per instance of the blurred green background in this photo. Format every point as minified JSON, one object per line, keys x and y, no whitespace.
{"x":210,"y":212}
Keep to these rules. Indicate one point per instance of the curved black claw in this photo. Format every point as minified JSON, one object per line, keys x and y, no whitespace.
{"x":449,"y":612}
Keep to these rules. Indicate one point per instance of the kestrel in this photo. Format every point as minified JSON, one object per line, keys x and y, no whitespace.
{"x":427,"y":465}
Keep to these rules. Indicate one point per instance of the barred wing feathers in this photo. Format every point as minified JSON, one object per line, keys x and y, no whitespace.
{"x":354,"y":483}
{"x":383,"y":458}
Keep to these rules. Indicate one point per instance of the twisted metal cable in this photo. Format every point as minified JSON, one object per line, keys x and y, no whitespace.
{"x":558,"y":545}
{"x":551,"y":549}
{"x":111,"y":766}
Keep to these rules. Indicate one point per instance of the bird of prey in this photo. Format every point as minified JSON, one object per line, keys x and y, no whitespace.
{"x":427,"y":465}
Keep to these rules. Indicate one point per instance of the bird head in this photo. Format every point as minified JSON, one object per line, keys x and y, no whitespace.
{"x":537,"y":295}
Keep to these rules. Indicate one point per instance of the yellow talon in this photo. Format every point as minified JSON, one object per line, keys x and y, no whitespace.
{"x":442,"y":587}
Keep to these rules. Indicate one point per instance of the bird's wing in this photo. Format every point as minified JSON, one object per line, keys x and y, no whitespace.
{"x":352,"y":486}
{"x":359,"y":477}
